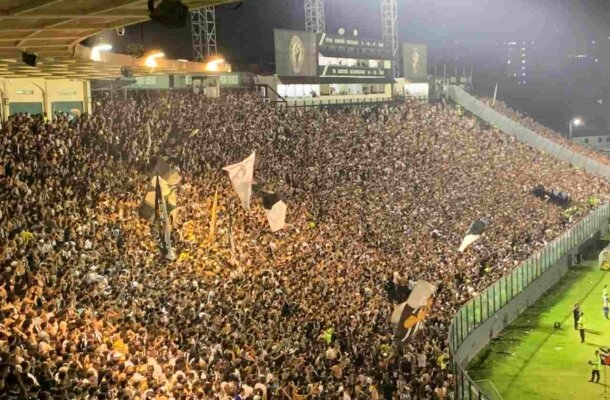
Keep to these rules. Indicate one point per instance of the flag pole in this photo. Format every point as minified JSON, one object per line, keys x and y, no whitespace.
{"x":493,"y":103}
{"x":164,"y":226}
{"x":213,"y":218}
{"x":231,"y":240}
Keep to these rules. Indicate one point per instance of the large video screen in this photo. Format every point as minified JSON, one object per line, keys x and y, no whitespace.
{"x":296,"y":53}
{"x":414,"y":57}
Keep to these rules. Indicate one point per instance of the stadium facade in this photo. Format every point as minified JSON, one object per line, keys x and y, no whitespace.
{"x":320,"y":67}
{"x":42,"y":96}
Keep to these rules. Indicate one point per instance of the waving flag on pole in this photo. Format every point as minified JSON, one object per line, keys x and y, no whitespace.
{"x":162,"y":191}
{"x":409,"y":316}
{"x":241,"y":176}
{"x":275,"y":210}
{"x":158,"y":203}
{"x":474,"y":233}
{"x":157,"y":188}
{"x":166,"y":172}
{"x":166,"y":237}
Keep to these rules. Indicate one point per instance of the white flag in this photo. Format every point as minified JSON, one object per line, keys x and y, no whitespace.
{"x":467,"y":241}
{"x":241,"y":175}
{"x":275,"y":210}
{"x":474,"y":233}
{"x":276,"y":216}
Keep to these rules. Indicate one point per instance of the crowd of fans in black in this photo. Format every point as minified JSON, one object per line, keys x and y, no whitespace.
{"x":545,"y":131}
{"x":375,"y":204}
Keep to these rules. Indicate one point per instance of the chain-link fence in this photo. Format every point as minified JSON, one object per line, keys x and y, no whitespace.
{"x":478,"y":310}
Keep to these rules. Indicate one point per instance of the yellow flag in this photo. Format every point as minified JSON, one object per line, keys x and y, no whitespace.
{"x":212,"y":236}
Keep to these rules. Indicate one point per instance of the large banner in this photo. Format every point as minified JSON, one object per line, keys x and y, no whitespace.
{"x":296,"y":53}
{"x":414,"y":57}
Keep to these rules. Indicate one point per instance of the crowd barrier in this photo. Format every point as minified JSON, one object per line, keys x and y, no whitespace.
{"x":417,"y":99}
{"x":483,"y":317}
{"x":486,"y":315}
{"x":321,"y":101}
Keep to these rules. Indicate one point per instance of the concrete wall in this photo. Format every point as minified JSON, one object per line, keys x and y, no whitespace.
{"x":45,"y":91}
{"x":468,"y":334}
{"x":481,"y":337}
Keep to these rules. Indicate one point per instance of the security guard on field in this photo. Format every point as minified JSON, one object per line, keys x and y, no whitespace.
{"x":596,"y":363}
{"x":581,"y":326}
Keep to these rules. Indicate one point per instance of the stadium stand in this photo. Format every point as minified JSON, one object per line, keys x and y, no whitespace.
{"x":544,"y":131}
{"x":377,"y":201}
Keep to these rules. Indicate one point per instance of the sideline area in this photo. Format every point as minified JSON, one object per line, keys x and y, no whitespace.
{"x":533,"y":360}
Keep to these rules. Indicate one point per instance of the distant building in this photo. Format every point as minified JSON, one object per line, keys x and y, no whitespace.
{"x":516,"y":58}
{"x":593,"y":138}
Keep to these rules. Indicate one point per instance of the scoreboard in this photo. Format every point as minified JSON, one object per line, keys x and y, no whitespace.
{"x":298,"y":54}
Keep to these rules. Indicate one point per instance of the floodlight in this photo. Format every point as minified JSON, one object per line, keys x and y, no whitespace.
{"x":213,"y":65}
{"x":151,"y":60}
{"x":96,"y":50}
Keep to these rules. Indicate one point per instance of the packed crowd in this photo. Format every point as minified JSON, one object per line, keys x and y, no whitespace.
{"x":546,"y":132}
{"x":377,"y":200}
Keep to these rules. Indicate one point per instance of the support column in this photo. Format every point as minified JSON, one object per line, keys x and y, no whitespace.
{"x":87,"y":106}
{"x":4,"y":99}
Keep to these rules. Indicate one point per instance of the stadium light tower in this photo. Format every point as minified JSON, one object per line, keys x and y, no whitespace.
{"x":314,"y":16}
{"x":203,"y":32}
{"x":389,"y":28}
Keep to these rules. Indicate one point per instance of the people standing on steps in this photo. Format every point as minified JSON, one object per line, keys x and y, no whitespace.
{"x":581,"y":326}
{"x":576,"y":313}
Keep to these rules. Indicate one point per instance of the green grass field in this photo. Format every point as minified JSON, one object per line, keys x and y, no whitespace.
{"x":532,"y":360}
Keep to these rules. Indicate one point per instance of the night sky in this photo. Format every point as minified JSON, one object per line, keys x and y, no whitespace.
{"x":559,"y":27}
{"x":245,"y":35}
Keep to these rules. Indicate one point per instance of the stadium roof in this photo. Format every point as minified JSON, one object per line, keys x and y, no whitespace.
{"x":53,"y":30}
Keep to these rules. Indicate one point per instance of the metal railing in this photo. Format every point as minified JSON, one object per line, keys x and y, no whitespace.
{"x":478,"y":310}
{"x":417,"y":99}
{"x":321,"y":101}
